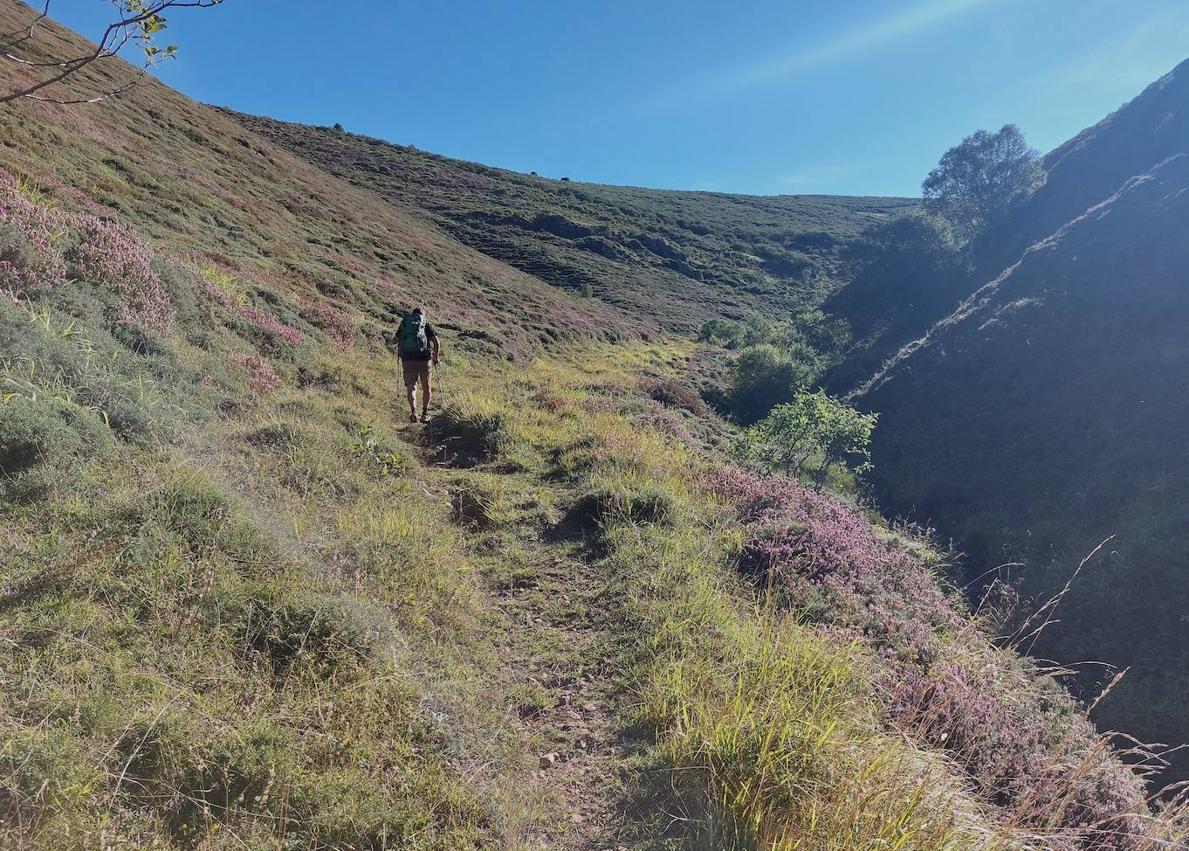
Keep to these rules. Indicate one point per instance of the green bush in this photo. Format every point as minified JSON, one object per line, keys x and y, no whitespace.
{"x":814,"y":432}
{"x":762,"y":377}
{"x":48,"y":430}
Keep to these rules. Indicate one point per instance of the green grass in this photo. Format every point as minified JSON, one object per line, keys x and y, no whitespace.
{"x":676,"y":257}
{"x":772,"y":734}
{"x":289,"y":627}
{"x":245,"y":607}
{"x":175,"y":673}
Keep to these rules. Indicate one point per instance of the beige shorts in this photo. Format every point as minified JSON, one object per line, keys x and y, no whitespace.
{"x":416,"y":371}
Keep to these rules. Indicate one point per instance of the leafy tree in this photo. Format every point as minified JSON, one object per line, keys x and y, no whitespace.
{"x":736,"y":335}
{"x":135,"y":22}
{"x":763,"y":376}
{"x":811,"y":337}
{"x":978,"y":181}
{"x":904,"y":245}
{"x":814,"y":431}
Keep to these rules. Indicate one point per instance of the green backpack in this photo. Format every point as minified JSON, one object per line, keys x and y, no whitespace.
{"x":411,"y":336}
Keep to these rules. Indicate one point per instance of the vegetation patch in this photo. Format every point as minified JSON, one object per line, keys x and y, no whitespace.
{"x":48,"y":430}
{"x":470,"y":430}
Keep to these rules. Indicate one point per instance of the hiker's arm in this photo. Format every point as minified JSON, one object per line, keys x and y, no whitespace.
{"x":434,"y":347}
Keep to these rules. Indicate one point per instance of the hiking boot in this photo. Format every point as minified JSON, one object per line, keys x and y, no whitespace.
{"x":412,"y":418}
{"x":425,"y":418}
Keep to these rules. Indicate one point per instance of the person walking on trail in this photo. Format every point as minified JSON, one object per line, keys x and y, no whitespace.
{"x":417,"y":345}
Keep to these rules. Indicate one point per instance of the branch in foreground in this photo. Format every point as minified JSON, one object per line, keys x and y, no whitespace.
{"x":138,"y":22}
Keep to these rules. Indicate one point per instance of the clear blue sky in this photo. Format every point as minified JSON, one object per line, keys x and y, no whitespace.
{"x":763,"y":96}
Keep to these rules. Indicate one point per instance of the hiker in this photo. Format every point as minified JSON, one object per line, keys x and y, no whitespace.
{"x":417,"y":345}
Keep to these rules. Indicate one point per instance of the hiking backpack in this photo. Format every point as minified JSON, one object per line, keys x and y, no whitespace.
{"x":411,"y":337}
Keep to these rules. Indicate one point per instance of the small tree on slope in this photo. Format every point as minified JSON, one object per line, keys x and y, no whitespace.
{"x":814,"y":430}
{"x":979,"y":181}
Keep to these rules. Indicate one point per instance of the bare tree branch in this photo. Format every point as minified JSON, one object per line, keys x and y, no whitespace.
{"x":139,"y":20}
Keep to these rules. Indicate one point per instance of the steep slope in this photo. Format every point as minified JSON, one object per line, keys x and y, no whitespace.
{"x":1091,"y":166}
{"x":900,"y":298}
{"x":1046,"y":412}
{"x":680,"y":257}
{"x":195,"y":181}
{"x":246,"y":606}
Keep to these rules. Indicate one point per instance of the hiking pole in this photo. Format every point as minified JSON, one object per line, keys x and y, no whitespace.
{"x":437,"y":371}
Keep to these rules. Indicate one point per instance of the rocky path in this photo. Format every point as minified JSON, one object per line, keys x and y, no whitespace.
{"x":561,"y":648}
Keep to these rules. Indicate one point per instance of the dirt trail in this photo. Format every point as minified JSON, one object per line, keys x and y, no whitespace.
{"x":584,"y":757}
{"x":557,"y":638}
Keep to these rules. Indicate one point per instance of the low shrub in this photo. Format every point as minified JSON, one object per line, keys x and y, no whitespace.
{"x":227,"y":290}
{"x":28,"y":259}
{"x":334,"y":322}
{"x":260,"y":375}
{"x":48,"y":430}
{"x":29,"y":256}
{"x":674,"y":394}
{"x":1021,"y":741}
{"x":815,"y":433}
{"x":379,"y":452}
{"x":112,"y":256}
{"x":131,"y":420}
{"x":99,"y":252}
{"x":469,"y":430}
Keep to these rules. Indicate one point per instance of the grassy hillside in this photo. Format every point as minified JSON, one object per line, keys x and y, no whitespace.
{"x":680,"y":257}
{"x":1042,"y":416}
{"x":246,"y":606}
{"x":195,"y":181}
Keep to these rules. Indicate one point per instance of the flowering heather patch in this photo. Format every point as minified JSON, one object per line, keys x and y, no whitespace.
{"x":1024,"y":746}
{"x":113,"y":256}
{"x":1018,"y":737}
{"x":261,"y":376}
{"x":335,"y":323}
{"x":104,"y":253}
{"x":225,"y":289}
{"x":829,"y":561}
{"x":269,"y":323}
{"x":28,"y":256}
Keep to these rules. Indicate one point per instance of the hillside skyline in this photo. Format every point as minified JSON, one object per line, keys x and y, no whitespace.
{"x":769,"y":99}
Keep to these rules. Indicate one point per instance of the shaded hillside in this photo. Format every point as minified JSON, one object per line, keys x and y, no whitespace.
{"x":898,"y":301}
{"x":907,"y":275}
{"x":1048,"y":413}
{"x":1094,"y":164}
{"x":680,"y":257}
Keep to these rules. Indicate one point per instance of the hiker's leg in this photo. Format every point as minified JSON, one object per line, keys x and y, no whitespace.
{"x":426,"y":393}
{"x":410,"y":377}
